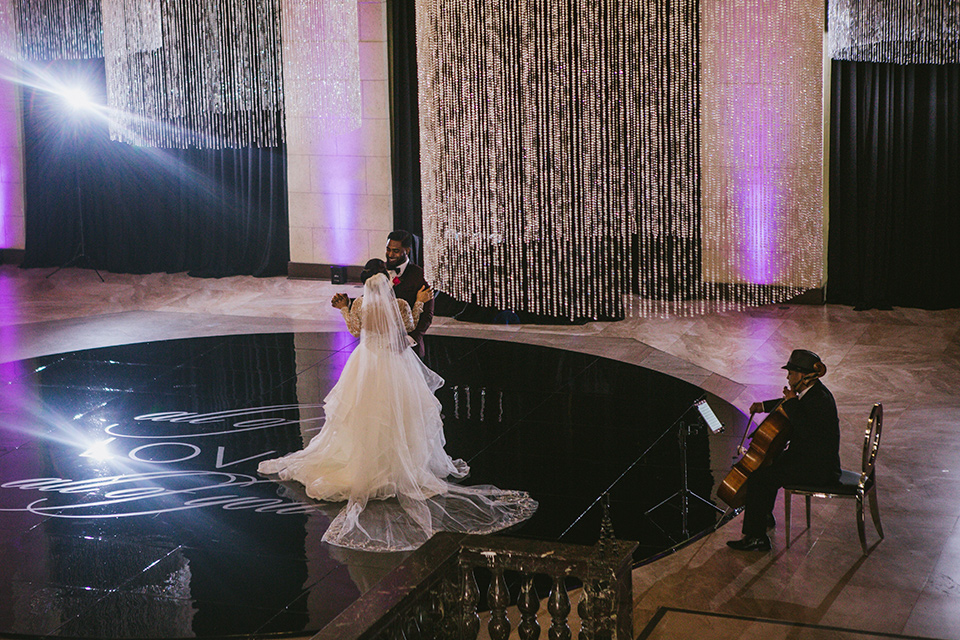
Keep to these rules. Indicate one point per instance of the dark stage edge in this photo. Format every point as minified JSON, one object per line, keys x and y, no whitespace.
{"x":130,"y":506}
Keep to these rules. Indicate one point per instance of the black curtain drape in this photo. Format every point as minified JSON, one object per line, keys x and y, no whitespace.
{"x":211,"y":212}
{"x":894,"y":186}
{"x":405,"y":120}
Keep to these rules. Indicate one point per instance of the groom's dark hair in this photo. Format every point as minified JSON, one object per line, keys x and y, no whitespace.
{"x":372,"y":268}
{"x":401,"y":236}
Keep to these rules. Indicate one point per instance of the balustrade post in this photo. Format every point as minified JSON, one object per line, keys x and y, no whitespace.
{"x":528,"y":603}
{"x":451,"y":609}
{"x":497,"y":598}
{"x":606,"y":610}
{"x":396,"y":631}
{"x":430,"y":614}
{"x":411,"y":630}
{"x":586,"y":609}
{"x":469,"y":598}
{"x":559,"y":607}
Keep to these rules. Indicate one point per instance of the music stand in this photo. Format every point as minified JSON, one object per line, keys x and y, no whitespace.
{"x":705,"y":415}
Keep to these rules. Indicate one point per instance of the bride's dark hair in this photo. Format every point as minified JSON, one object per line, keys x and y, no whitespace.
{"x":372,"y":268}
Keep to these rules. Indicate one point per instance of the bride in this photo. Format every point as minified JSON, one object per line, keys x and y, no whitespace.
{"x":381,"y":447}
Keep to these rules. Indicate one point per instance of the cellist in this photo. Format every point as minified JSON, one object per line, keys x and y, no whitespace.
{"x":812,"y":455}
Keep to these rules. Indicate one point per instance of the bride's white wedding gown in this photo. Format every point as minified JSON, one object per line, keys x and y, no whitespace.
{"x":381,"y":446}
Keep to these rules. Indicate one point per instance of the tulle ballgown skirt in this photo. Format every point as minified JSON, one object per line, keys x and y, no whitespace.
{"x":381,"y":451}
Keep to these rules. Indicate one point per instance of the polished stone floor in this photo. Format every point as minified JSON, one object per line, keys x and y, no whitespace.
{"x":907,"y":359}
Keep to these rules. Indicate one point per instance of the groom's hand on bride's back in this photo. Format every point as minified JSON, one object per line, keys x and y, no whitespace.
{"x":425,"y":294}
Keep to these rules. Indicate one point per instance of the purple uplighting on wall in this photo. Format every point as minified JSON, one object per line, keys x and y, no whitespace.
{"x":760,"y":225}
{"x":760,"y":156}
{"x":763,"y":144}
{"x":10,"y":211}
{"x":341,"y":216}
{"x":4,"y":208}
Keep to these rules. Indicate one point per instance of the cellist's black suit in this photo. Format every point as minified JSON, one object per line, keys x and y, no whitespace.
{"x":812,"y":457}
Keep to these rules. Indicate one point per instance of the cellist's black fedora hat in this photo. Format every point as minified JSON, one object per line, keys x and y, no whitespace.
{"x":803,"y":361}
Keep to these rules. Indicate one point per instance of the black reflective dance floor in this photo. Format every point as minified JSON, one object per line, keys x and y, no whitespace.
{"x":130,"y":506}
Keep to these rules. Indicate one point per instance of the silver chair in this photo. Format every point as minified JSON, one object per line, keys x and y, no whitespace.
{"x":852,"y":484}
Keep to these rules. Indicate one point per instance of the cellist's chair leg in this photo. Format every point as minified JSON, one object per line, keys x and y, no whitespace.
{"x":861,"y":528}
{"x":808,"y":511}
{"x":875,"y":510}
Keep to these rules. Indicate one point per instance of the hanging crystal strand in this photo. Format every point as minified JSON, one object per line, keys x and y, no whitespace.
{"x":565,"y":175}
{"x":435,"y":122}
{"x":9,"y":37}
{"x":528,"y":149}
{"x":202,"y":74}
{"x":498,"y":173}
{"x":557,"y":208}
{"x":468,"y":124}
{"x":425,"y":17}
{"x":456,"y":63}
{"x":533,"y":205}
{"x":322,"y":62}
{"x":915,"y":32}
{"x":551,"y":218}
{"x":52,"y":29}
{"x":462,"y":157}
{"x":511,"y":188}
{"x":479,"y":161}
{"x":513,"y":215}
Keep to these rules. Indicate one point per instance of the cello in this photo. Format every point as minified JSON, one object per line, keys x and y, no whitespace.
{"x":767,"y":441}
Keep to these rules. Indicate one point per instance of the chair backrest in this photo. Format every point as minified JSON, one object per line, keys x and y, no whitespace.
{"x":871,"y":443}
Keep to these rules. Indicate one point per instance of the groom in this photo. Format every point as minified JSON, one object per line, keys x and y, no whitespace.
{"x":407,"y":280}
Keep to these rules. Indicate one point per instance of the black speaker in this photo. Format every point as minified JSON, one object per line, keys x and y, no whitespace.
{"x":338,"y":275}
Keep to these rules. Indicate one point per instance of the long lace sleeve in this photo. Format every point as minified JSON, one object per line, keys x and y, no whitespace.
{"x":351,"y":314}
{"x":409,"y":320}
{"x":416,"y":311}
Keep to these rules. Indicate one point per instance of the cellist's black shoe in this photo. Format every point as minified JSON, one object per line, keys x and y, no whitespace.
{"x":771,"y":521}
{"x":748,"y":543}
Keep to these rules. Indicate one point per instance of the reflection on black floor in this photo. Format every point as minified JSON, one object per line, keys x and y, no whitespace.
{"x":130,"y":505}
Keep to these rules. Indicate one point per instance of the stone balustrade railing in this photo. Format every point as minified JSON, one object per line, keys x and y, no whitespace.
{"x":434,"y":593}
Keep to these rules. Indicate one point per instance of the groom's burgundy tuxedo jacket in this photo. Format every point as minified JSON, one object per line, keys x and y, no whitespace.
{"x":411,"y":282}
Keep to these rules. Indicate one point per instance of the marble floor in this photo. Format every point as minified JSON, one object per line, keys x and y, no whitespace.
{"x":820,"y":587}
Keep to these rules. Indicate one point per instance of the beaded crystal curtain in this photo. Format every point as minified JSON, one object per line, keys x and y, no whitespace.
{"x":915,"y":32}
{"x":56,"y":29}
{"x":200,"y":73}
{"x":206,"y":73}
{"x":571,"y":155}
{"x":321,"y":48}
{"x":666,"y":135}
{"x":528,"y":116}
{"x":762,"y":115}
